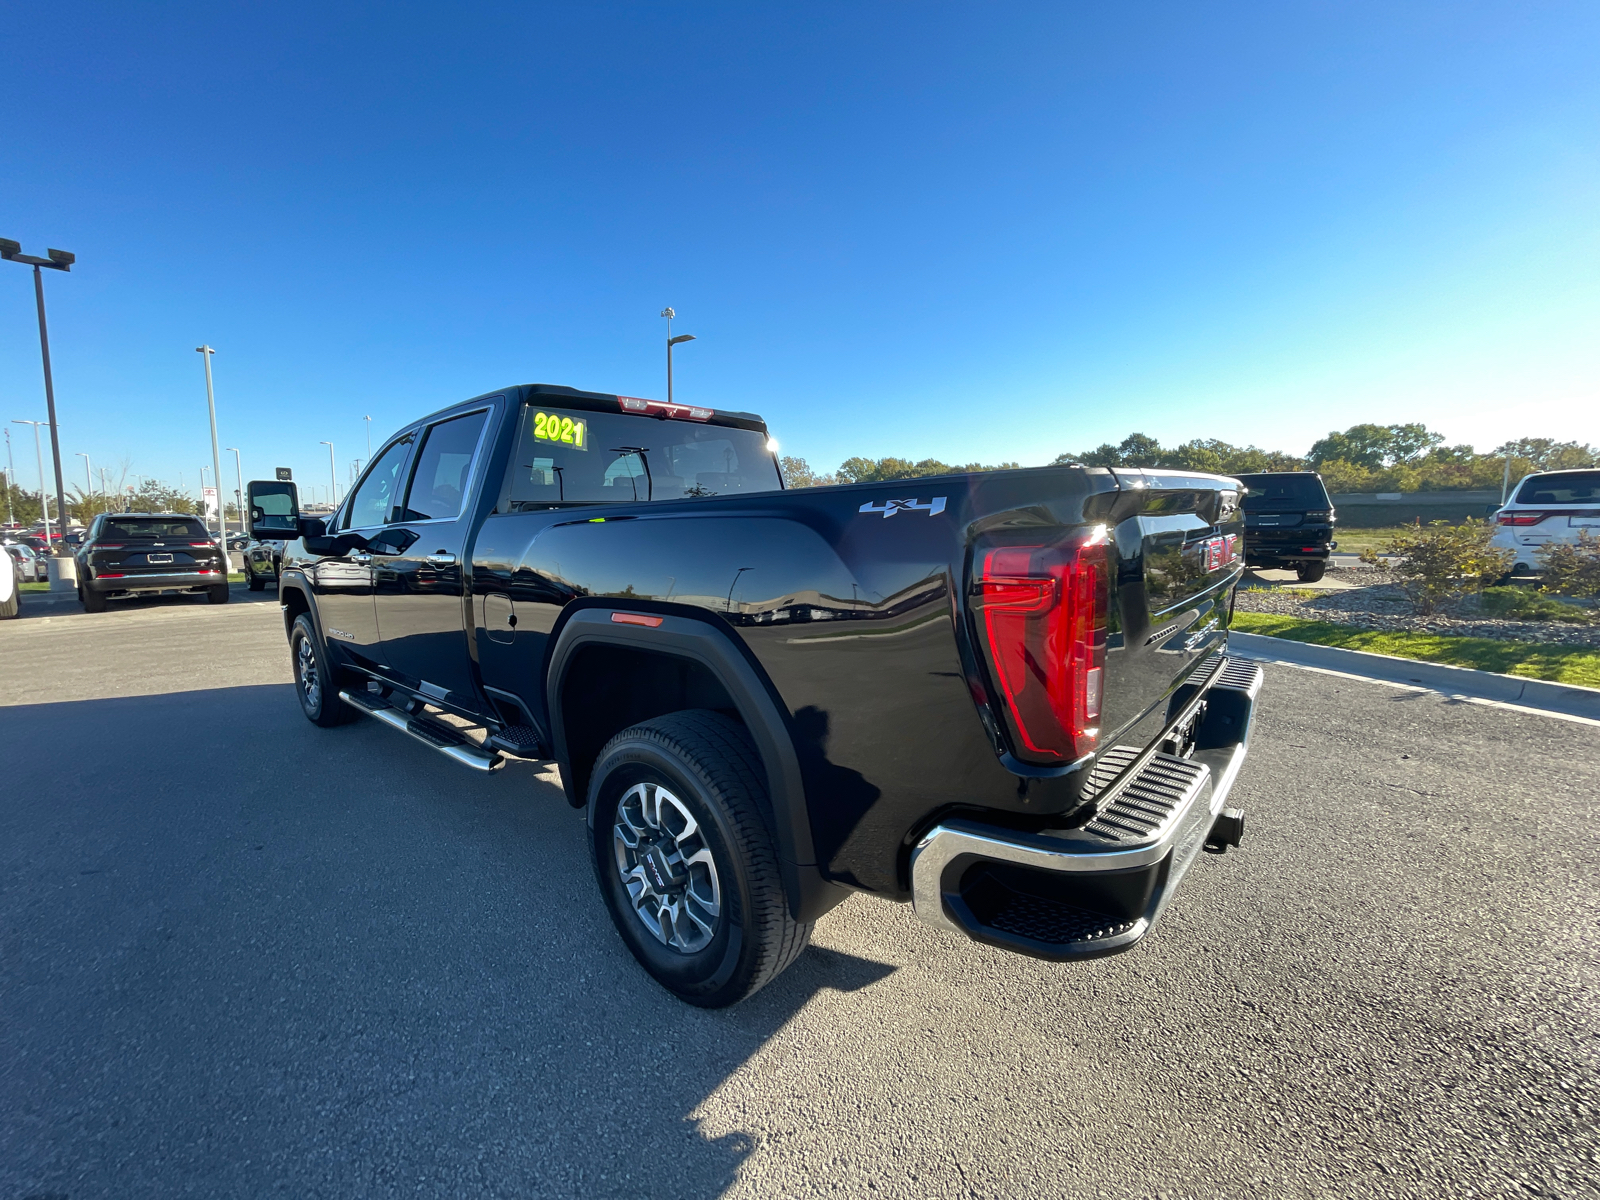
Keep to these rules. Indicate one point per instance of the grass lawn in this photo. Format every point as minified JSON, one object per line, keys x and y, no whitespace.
{"x":1561,"y":664}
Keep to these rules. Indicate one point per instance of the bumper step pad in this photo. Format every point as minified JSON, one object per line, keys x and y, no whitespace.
{"x":1163,"y":789}
{"x":1054,"y":922}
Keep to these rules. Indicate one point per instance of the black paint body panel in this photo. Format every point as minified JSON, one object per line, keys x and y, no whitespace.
{"x":857,"y":624}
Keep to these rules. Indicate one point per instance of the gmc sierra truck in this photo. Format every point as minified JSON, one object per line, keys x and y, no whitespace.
{"x":1004,"y":697}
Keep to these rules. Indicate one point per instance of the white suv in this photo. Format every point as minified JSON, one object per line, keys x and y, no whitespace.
{"x":1547,"y":509}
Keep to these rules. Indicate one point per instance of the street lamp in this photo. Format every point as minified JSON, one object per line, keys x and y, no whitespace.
{"x":671,"y":342}
{"x":11,"y":480}
{"x":216,"y":462}
{"x":368,"y":420}
{"x":238,"y":495}
{"x":88,"y":478}
{"x":44,"y":501}
{"x":59,"y":260}
{"x":333,"y":477}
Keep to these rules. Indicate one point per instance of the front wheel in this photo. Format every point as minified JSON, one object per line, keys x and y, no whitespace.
{"x":1310,"y":572}
{"x":253,"y":581}
{"x":314,"y":678}
{"x":684,"y":860}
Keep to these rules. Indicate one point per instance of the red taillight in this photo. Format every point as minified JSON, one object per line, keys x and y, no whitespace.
{"x":1520,"y":518}
{"x":202,"y":545}
{"x":1044,"y":617}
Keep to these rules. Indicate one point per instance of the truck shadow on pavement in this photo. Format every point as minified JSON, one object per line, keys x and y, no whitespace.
{"x":332,"y":963}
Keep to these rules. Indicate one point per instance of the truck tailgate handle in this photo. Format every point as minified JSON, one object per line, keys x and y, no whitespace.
{"x":442,"y":559}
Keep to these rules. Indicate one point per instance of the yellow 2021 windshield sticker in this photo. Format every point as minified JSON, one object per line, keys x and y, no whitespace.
{"x":551,"y":427}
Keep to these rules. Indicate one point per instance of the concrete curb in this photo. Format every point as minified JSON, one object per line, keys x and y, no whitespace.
{"x":1566,"y":699}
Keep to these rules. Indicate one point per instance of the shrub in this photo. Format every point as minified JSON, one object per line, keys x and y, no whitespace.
{"x":1530,"y":605}
{"x":1572,"y":570}
{"x":1441,"y":562}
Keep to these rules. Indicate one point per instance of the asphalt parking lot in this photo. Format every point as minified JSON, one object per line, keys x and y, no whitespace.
{"x":241,"y":956}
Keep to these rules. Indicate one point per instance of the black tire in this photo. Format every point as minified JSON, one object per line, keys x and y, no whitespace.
{"x":320,"y":703}
{"x":708,"y":763}
{"x":1310,"y":572}
{"x":93,"y":601}
{"x":253,"y":581}
{"x":218,"y":594}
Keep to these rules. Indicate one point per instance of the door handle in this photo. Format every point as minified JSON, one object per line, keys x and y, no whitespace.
{"x":442,"y":559}
{"x":362,"y":559}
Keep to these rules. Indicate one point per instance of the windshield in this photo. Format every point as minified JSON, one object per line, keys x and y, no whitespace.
{"x":159,"y":528}
{"x":1576,"y":487}
{"x":571,"y":457}
{"x":1275,"y":493}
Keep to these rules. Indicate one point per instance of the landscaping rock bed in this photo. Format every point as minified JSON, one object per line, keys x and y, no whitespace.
{"x":1376,"y":603}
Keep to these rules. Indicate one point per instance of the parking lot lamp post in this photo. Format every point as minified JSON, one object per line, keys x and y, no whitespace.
{"x":11,"y":480}
{"x":368,"y":420}
{"x":59,"y":260}
{"x":88,"y":479}
{"x":216,"y":462}
{"x":333,"y":477}
{"x":44,"y":501}
{"x":238,"y":495}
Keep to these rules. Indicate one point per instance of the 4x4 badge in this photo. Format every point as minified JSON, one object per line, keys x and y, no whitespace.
{"x":889,"y":507}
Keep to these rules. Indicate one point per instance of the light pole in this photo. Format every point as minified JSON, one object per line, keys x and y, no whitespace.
{"x":368,"y":420}
{"x":11,"y":480}
{"x":88,"y":478}
{"x":59,"y":260}
{"x":216,"y":463}
{"x":44,"y":501}
{"x":671,"y":342}
{"x":333,"y":477}
{"x":238,"y":495}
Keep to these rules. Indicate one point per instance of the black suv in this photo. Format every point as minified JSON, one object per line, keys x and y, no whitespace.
{"x":128,"y":553}
{"x":1288,"y":522}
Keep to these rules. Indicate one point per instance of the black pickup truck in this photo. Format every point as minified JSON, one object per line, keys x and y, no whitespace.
{"x":1004,"y":697}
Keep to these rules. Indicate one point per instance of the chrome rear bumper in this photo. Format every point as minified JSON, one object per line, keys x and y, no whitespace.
{"x":1097,"y":888}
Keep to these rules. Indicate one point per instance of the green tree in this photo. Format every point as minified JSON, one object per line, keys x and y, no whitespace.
{"x":1375,"y":446}
{"x":1547,"y":455}
{"x":797,"y":473}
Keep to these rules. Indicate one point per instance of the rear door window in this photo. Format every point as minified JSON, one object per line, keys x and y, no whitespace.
{"x":1580,"y":487}
{"x":443,"y":472}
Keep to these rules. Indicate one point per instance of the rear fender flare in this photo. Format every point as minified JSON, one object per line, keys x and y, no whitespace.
{"x":702,"y":641}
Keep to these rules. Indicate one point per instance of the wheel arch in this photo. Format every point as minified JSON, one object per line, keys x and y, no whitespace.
{"x":293,"y":599}
{"x":713,"y":667}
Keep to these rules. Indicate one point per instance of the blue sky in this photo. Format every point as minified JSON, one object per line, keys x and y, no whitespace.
{"x":985,"y":231}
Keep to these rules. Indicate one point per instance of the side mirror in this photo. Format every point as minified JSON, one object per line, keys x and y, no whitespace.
{"x":274,"y":509}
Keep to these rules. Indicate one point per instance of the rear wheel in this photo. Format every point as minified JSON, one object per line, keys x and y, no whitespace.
{"x":92,"y":600}
{"x":684,"y":860}
{"x":253,"y":581}
{"x":218,"y":594}
{"x":1310,"y":572}
{"x":314,"y":680}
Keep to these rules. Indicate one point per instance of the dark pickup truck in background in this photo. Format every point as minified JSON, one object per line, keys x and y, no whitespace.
{"x":1004,"y":697}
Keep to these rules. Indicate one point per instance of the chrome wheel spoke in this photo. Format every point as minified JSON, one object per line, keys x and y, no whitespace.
{"x":666,"y":868}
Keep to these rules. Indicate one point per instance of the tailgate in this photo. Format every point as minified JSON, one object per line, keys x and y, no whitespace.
{"x":1178,"y":542}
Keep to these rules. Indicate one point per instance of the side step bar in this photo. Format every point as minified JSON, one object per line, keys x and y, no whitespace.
{"x":444,"y":738}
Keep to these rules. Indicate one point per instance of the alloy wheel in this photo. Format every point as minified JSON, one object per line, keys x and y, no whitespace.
{"x":667,"y":867}
{"x":306,"y":668}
